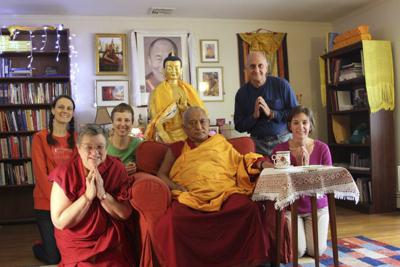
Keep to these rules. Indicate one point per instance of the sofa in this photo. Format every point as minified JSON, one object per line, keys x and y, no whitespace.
{"x":151,"y":197}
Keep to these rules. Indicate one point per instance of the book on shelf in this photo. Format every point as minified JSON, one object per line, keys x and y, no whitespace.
{"x":330,"y":37}
{"x":344,"y":100}
{"x":16,"y":174}
{"x":364,"y":187}
{"x":341,"y":129}
{"x":359,"y":162}
{"x":360,"y":99}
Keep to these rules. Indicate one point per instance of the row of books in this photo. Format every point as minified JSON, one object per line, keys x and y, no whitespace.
{"x":349,"y":99}
{"x":24,"y":120}
{"x":341,"y":71}
{"x":364,"y":187}
{"x":16,"y":174}
{"x":15,"y":147}
{"x":358,"y":162}
{"x":8,"y":45}
{"x":32,"y":93}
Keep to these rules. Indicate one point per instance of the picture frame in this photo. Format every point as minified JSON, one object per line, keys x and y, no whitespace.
{"x":213,"y":129}
{"x":209,"y":51}
{"x":111,"y":54}
{"x":152,"y":49}
{"x":110,"y":93}
{"x":210,"y":83}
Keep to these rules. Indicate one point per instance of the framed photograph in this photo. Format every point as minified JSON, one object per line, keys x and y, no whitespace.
{"x":111,"y":93}
{"x":213,"y":129}
{"x":111,"y":54}
{"x":209,"y":82}
{"x":152,"y":49}
{"x":209,"y":51}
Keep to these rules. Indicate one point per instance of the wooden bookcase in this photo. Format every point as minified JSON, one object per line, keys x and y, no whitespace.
{"x":27,"y":88}
{"x":375,"y":152}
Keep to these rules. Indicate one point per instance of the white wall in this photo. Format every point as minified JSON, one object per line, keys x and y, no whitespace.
{"x":306,"y":42}
{"x":383,"y":19}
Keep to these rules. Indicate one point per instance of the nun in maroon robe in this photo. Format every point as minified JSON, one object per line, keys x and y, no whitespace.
{"x":89,"y":202}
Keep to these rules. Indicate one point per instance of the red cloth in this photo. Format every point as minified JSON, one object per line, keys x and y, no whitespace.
{"x":231,"y":236}
{"x":98,"y":239}
{"x":268,"y":218}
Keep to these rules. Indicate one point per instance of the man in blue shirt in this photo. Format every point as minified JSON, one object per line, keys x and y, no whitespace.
{"x":262,"y":105}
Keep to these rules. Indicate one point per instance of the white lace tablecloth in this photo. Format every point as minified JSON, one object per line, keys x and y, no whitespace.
{"x":284,"y":186}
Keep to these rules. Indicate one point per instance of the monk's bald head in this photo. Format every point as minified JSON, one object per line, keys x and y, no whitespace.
{"x":196,"y":124}
{"x":190,"y":112}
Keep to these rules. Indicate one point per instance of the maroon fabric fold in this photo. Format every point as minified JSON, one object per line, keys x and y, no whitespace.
{"x":232,"y":236}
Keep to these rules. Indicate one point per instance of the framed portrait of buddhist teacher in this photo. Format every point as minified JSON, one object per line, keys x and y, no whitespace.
{"x":209,"y":51}
{"x":210,"y":84}
{"x":111,"y":93}
{"x":110,"y":54}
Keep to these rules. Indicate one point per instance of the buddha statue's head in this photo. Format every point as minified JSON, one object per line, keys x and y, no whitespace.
{"x":172,"y":68}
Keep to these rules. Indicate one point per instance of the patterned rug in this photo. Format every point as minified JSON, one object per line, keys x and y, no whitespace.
{"x":357,"y":251}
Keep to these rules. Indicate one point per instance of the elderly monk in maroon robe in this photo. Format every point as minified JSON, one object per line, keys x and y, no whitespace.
{"x":89,"y":200}
{"x":212,"y":221}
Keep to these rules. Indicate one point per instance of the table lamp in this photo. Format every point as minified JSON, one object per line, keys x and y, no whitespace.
{"x":102,"y":116}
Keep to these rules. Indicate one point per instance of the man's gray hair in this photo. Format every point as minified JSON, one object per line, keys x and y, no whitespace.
{"x":189,"y":111}
{"x":91,"y":130}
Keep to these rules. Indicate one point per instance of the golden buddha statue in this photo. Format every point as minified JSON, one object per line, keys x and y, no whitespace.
{"x":168,"y":102}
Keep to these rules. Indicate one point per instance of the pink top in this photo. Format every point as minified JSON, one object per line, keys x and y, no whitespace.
{"x":319,"y":156}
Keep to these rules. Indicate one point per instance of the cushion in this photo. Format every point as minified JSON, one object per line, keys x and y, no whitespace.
{"x":149,"y":156}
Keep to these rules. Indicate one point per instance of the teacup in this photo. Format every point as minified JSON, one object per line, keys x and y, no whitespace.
{"x":281,"y":159}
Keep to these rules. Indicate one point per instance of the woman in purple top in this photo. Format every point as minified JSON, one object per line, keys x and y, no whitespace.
{"x":307,"y":151}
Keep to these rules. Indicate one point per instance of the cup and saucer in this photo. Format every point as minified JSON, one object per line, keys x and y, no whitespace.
{"x":281,"y":160}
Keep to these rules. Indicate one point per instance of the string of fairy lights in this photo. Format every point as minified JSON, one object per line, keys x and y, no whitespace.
{"x":73,"y":53}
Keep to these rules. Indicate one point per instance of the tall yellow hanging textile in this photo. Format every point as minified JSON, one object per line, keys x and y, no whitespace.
{"x":379,"y":76}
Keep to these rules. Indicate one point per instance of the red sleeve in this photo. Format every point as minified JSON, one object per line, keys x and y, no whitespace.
{"x":116,"y":179}
{"x":39,"y":164}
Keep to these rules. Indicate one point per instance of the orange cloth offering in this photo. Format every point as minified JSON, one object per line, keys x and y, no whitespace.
{"x":352,"y":36}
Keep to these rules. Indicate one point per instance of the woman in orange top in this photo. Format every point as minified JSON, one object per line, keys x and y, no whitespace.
{"x":51,"y":147}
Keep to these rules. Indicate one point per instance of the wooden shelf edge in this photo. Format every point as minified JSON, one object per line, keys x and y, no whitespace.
{"x":349,"y":145}
{"x":343,"y":50}
{"x":18,"y":221}
{"x":350,"y":111}
{"x":15,"y":159}
{"x":17,"y":186}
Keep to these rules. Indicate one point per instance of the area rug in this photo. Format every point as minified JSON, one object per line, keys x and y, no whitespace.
{"x":357,"y":251}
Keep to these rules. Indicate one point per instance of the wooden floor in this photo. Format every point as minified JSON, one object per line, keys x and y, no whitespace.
{"x":16,"y":240}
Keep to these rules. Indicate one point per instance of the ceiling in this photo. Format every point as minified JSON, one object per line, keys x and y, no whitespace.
{"x":289,"y":10}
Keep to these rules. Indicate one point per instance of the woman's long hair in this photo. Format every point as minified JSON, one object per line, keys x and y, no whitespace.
{"x":71,"y":125}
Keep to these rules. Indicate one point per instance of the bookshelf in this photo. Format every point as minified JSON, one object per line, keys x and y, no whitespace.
{"x":34,"y":69}
{"x":370,"y":155}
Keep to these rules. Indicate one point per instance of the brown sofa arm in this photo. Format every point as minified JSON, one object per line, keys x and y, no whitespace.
{"x":150,"y":196}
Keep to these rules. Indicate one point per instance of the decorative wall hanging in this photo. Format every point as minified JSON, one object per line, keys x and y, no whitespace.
{"x":274,"y":46}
